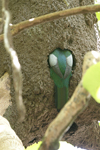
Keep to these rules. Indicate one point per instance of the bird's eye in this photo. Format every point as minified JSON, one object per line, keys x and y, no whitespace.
{"x":52,"y":60}
{"x":70,"y":60}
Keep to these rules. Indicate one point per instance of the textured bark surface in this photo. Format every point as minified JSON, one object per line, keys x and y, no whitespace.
{"x":33,"y":47}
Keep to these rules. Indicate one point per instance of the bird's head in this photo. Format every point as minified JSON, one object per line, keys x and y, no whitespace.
{"x":61,"y":61}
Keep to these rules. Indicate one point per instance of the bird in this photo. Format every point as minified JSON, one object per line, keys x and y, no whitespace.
{"x":61,"y":63}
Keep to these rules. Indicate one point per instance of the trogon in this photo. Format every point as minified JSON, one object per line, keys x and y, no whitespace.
{"x":61,"y":62}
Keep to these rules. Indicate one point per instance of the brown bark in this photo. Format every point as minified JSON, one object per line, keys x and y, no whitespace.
{"x":52,"y":16}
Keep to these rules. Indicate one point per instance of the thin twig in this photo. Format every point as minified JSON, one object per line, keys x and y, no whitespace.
{"x":77,"y":103}
{"x":52,"y":16}
{"x":17,"y":75}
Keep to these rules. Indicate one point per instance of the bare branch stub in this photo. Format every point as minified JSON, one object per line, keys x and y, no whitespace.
{"x":16,"y":67}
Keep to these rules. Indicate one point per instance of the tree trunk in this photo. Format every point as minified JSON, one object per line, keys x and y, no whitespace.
{"x":33,"y":47}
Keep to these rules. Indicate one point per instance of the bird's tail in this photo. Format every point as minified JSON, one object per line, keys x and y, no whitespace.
{"x":61,"y":97}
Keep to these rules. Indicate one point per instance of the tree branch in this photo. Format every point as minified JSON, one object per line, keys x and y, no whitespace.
{"x":17,"y":75}
{"x":52,"y":16}
{"x":77,"y":103}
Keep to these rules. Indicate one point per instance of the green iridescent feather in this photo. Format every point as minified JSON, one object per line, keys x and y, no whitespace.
{"x":61,"y":84}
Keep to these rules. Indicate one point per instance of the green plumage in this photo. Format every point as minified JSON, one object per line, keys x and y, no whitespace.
{"x":61,"y":81}
{"x":61,"y":97}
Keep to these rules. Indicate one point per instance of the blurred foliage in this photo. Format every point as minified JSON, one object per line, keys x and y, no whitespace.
{"x":91,"y":81}
{"x":35,"y":146}
{"x":98,"y":13}
{"x":99,"y":123}
{"x":62,"y":146}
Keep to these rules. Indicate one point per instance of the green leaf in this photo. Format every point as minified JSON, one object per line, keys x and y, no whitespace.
{"x":98,"y":15}
{"x":99,"y":123}
{"x":35,"y":146}
{"x":91,"y":81}
{"x":62,"y":146}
